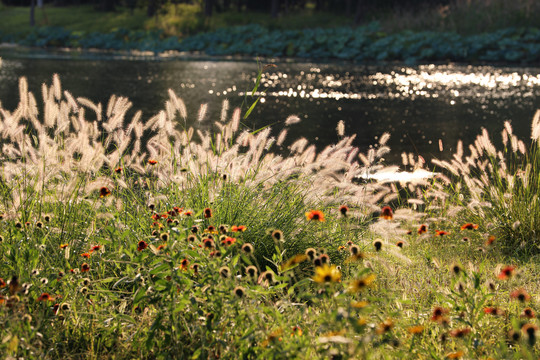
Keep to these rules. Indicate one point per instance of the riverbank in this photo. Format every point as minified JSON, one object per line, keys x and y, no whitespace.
{"x":363,"y":44}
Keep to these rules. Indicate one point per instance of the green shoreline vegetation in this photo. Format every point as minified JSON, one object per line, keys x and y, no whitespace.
{"x":475,"y":31}
{"x":209,"y":245}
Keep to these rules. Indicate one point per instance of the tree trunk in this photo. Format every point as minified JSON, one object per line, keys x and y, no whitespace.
{"x":208,"y":7}
{"x":152,"y":8}
{"x":32,"y":11}
{"x":360,"y":12}
{"x":275,"y":9}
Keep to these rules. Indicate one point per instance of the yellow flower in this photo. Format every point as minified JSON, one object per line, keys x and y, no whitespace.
{"x":359,"y":284}
{"x":295,"y":260}
{"x":326,"y":274}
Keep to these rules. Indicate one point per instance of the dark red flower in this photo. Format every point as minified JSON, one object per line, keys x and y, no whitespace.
{"x":507,"y":272}
{"x":44,"y":297}
{"x":118,"y":170}
{"x":85,"y":267}
{"x":142,"y":245}
{"x":343,"y":209}
{"x":469,"y":226}
{"x":104,"y":191}
{"x":207,"y":213}
{"x":422,"y":229}
{"x":387,"y":213}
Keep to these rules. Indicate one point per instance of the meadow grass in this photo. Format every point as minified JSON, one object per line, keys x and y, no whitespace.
{"x":123,"y":238}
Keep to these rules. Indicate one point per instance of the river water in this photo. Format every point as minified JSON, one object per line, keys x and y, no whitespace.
{"x":422,"y":106}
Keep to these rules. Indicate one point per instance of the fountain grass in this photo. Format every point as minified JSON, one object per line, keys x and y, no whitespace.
{"x":217,"y":247}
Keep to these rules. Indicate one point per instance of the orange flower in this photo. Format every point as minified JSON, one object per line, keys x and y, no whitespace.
{"x":95,"y":248}
{"x":441,"y":233}
{"x":239,"y":228}
{"x":44,"y":297}
{"x":86,"y":255}
{"x":387,"y":213}
{"x":188,"y":213}
{"x":184,"y":264}
{"x":422,"y":229}
{"x":418,"y":329}
{"x":2,"y":283}
{"x":207,"y":213}
{"x":469,"y":226}
{"x":490,"y":240}
{"x":85,"y":267}
{"x":161,"y":247}
{"x":118,"y":170}
{"x":142,"y":245}
{"x":296,"y":330}
{"x":152,"y":162}
{"x":315,"y":215}
{"x":528,"y":313}
{"x":63,"y":246}
{"x":104,"y":191}
{"x":438,"y":314}
{"x":507,"y":272}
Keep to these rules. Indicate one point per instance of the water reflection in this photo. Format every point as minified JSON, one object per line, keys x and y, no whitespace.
{"x":418,"y":105}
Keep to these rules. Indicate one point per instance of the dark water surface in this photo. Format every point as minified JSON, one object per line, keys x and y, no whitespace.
{"x":418,"y":105}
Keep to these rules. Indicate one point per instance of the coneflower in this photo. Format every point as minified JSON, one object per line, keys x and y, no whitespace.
{"x":239,"y":291}
{"x":225,"y":272}
{"x":251,"y":271}
{"x":377,"y":244}
{"x":277,"y":235}
{"x":247,"y":248}
{"x":311,"y":253}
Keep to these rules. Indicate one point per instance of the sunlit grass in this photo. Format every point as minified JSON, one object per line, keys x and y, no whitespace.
{"x":220,"y":248}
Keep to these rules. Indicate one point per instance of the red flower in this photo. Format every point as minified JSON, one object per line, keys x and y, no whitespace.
{"x":55,"y":308}
{"x":95,"y":248}
{"x":387,"y":213}
{"x":422,"y":229}
{"x":44,"y":297}
{"x":490,"y":240}
{"x":228,"y":241}
{"x":459,"y":333}
{"x":441,"y":233}
{"x":188,"y":212}
{"x":142,"y":245}
{"x":118,"y":170}
{"x":315,"y":215}
{"x":2,"y":283}
{"x":469,"y":226}
{"x":152,"y":162}
{"x":521,"y":295}
{"x":240,"y":228}
{"x":86,"y":255}
{"x":85,"y":267}
{"x":507,"y":272}
{"x":161,"y":247}
{"x":207,"y":213}
{"x":493,"y":311}
{"x":104,"y":191}
{"x":343,"y":209}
